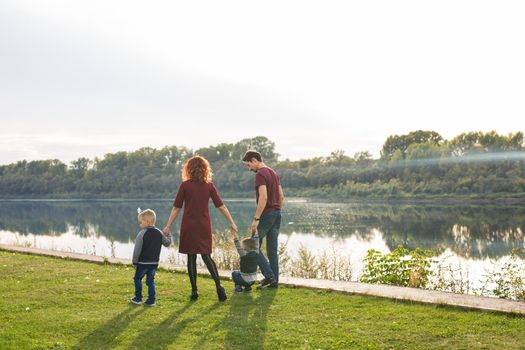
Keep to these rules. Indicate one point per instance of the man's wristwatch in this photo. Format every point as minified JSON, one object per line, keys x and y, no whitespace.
{"x":256,"y":218}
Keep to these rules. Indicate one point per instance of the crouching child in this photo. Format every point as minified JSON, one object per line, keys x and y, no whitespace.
{"x":248,"y":250}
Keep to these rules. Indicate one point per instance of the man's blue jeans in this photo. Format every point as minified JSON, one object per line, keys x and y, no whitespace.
{"x":268,"y":227}
{"x":149,"y":271}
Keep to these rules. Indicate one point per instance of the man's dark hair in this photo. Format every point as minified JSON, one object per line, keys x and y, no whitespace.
{"x":249,"y":155}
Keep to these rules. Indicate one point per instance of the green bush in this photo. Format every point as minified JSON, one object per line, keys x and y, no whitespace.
{"x":399,"y":267}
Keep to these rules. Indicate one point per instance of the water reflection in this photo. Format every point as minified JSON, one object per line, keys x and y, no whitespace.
{"x":472,"y":232}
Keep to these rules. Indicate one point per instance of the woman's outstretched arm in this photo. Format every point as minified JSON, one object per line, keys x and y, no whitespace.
{"x":228,"y":217}
{"x":171,"y":220}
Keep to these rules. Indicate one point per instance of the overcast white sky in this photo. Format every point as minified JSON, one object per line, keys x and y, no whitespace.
{"x":83,"y":78}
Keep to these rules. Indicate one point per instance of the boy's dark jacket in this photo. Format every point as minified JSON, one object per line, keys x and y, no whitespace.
{"x":148,"y":244}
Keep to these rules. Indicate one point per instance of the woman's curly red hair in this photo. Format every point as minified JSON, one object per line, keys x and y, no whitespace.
{"x":197,"y":168}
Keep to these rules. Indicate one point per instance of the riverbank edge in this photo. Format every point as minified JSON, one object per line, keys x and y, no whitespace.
{"x":383,"y":291}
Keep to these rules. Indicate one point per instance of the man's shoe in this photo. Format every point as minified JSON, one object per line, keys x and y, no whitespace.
{"x":135,"y":301}
{"x":149,"y":303}
{"x":267,"y":282}
{"x":194,"y":295}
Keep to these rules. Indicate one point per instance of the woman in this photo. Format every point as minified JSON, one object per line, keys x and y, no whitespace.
{"x":195,"y":231}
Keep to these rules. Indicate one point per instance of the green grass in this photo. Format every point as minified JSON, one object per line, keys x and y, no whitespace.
{"x":50,"y":303}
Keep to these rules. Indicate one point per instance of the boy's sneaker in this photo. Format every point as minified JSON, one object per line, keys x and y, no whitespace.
{"x":247,"y":289}
{"x":135,"y":301}
{"x":267,"y":282}
{"x":149,"y":303}
{"x":237,"y":289}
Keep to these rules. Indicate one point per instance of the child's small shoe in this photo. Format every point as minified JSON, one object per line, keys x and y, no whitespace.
{"x":247,"y":289}
{"x":136,"y":301}
{"x":237,"y":289}
{"x":149,"y":303}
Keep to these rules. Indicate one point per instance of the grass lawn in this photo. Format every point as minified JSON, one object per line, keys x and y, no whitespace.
{"x":50,"y":303}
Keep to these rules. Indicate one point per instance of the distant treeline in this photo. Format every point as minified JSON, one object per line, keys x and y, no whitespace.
{"x":418,"y":164}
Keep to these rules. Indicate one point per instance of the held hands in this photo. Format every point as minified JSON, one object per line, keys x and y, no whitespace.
{"x":166,"y":231}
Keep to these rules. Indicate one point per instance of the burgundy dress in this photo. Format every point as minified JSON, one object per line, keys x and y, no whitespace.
{"x":195,"y":230}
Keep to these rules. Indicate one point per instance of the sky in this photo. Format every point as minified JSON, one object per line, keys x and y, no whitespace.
{"x":84,"y":78}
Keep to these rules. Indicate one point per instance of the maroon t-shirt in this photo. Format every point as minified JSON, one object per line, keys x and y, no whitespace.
{"x":267,"y":176}
{"x":195,"y":229}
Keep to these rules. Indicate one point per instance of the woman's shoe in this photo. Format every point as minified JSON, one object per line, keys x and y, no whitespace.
{"x":194,"y":295}
{"x":221,"y":294}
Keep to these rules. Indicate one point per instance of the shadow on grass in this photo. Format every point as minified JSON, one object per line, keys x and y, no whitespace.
{"x":245,"y":323}
{"x":164,"y":334}
{"x":105,"y":336}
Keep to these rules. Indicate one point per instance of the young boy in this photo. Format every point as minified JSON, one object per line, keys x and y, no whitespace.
{"x":146,"y":255}
{"x":248,"y":250}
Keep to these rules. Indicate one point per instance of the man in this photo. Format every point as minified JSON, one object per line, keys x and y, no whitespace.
{"x":267,"y":220}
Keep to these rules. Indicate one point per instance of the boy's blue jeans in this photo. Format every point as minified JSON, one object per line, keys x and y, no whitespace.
{"x":268,"y":227}
{"x":237,"y":279}
{"x":149,"y":271}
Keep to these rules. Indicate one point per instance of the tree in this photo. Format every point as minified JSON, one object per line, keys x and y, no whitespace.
{"x":221,"y":152}
{"x":423,"y":150}
{"x":260,"y":143}
{"x":338,"y":157}
{"x":363,"y":158}
{"x":117,"y":160}
{"x":80,"y":166}
{"x":176,"y":155}
{"x":462,"y":143}
{"x":402,"y":142}
{"x":478,"y":142}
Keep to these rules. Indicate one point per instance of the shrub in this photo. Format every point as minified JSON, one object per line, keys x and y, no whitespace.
{"x":399,"y":267}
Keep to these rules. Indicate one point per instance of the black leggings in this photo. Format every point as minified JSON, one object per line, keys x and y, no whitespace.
{"x":192,"y":269}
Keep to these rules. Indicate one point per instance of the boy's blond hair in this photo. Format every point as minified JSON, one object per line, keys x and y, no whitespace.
{"x":249,"y":243}
{"x":148,"y":215}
